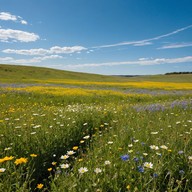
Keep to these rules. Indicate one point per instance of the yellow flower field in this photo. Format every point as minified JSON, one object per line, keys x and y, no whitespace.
{"x":142,"y":84}
{"x":61,"y":91}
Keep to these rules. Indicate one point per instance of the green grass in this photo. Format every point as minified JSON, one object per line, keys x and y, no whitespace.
{"x":119,"y":129}
{"x":132,"y":134}
{"x":16,"y":73}
{"x":28,"y":74}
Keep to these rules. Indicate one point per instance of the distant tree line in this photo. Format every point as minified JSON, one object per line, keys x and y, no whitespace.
{"x":178,"y":73}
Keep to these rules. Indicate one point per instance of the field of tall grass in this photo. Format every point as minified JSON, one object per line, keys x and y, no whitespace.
{"x":57,"y":138}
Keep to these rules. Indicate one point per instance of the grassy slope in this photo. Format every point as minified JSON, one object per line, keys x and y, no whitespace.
{"x":14,"y":73}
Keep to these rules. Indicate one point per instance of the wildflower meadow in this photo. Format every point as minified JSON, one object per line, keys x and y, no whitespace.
{"x":112,"y":135}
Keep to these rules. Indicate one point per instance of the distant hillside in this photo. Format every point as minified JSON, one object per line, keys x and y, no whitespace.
{"x":29,"y":74}
{"x":16,"y":73}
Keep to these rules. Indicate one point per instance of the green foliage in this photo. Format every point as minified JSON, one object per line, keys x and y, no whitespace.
{"x":132,"y":134}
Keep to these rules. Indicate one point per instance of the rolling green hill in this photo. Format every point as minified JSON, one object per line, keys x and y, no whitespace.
{"x":29,"y":74}
{"x":16,"y":73}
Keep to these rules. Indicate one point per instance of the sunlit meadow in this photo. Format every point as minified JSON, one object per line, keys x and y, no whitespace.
{"x":125,"y":136}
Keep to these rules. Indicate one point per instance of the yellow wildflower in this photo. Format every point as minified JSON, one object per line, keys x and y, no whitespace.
{"x":2,"y":160}
{"x":33,"y":155}
{"x":75,"y":148}
{"x":40,"y":186}
{"x":128,"y":187}
{"x":49,"y":169}
{"x":6,"y":159}
{"x":54,"y":163}
{"x":20,"y":160}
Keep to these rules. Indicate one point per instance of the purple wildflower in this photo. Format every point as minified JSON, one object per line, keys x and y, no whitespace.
{"x":155,"y":175}
{"x":142,"y":143}
{"x":136,"y":159}
{"x":125,"y":157}
{"x":140,"y":169}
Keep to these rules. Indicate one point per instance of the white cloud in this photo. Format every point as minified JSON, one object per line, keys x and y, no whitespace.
{"x":6,"y":16}
{"x":176,"y":45}
{"x":172,"y":33}
{"x":28,"y":61}
{"x":17,"y":35}
{"x":41,"y":51}
{"x":141,"y":61}
{"x":143,"y":58}
{"x":66,"y":50}
{"x":5,"y":59}
{"x":145,"y":41}
{"x":48,"y":57}
{"x":23,"y":22}
{"x":142,"y":44}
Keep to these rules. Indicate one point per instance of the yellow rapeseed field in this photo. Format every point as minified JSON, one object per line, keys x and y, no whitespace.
{"x":61,"y":91}
{"x":77,"y":92}
{"x":143,"y":84}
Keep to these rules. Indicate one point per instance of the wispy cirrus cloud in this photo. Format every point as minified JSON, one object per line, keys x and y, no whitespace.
{"x":11,"y":60}
{"x":141,"y":61}
{"x":6,"y":16}
{"x":7,"y":35}
{"x":145,"y":41}
{"x":175,"y":46}
{"x":41,"y":51}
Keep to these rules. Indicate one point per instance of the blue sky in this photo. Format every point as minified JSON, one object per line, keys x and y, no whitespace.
{"x":110,"y":37}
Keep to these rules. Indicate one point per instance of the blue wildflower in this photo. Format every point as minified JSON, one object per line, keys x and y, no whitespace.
{"x":155,"y":175}
{"x":140,"y":169}
{"x":142,"y":143}
{"x":136,"y":159}
{"x":125,"y":157}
